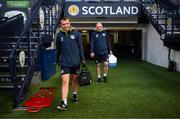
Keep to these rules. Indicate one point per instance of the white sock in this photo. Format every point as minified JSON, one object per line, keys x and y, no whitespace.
{"x":105,"y":75}
{"x":74,"y":93}
{"x":99,"y":76}
{"x":65,"y":101}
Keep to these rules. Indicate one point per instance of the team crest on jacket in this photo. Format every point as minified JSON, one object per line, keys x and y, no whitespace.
{"x":72,"y":36}
{"x":62,"y":39}
{"x":96,"y":35}
{"x":104,"y":34}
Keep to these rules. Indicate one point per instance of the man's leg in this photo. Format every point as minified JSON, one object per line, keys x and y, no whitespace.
{"x":65,"y":86}
{"x":75,"y":88}
{"x":105,"y":60}
{"x":65,"y":89}
{"x":105,"y":68}
{"x":75,"y":83}
{"x":105,"y":71}
{"x":98,"y":70}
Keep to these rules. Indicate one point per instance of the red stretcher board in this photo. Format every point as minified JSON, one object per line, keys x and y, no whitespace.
{"x":43,"y":98}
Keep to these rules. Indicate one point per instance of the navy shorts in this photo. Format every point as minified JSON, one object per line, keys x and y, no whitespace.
{"x":101,"y":58}
{"x":70,"y":70}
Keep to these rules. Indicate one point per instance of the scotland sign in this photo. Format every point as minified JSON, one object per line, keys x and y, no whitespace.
{"x":101,"y":9}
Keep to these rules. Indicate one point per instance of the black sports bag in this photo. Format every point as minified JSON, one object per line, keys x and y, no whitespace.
{"x":85,"y":77}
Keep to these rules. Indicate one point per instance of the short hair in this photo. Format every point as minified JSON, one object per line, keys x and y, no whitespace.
{"x":64,"y":19}
{"x":99,"y":23}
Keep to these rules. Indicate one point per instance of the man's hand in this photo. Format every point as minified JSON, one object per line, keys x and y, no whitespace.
{"x":92,"y":55}
{"x":111,"y":52}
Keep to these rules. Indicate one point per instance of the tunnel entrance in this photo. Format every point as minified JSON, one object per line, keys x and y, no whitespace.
{"x":124,"y":43}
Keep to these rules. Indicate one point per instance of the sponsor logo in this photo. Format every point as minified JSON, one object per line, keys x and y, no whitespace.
{"x":169,"y":22}
{"x":72,"y":36}
{"x":62,"y":39}
{"x":73,"y":10}
{"x":22,"y":58}
{"x":96,"y":35}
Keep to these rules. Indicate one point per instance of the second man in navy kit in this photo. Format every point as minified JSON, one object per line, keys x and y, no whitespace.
{"x":70,"y":55}
{"x":100,"y":49}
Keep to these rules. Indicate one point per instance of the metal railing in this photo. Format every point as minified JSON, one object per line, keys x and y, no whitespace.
{"x":163,"y":19}
{"x":20,"y":90}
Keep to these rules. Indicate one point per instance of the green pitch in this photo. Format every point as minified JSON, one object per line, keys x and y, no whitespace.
{"x":135,"y":89}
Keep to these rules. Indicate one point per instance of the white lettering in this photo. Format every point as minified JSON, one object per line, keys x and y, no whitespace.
{"x":109,"y":10}
{"x":90,"y":12}
{"x":85,"y":11}
{"x":119,"y":10}
{"x":100,"y":11}
{"x":134,"y":10}
{"x":127,"y":10}
{"x":106,"y":9}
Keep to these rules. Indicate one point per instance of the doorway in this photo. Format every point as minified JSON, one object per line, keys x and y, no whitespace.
{"x":85,"y":41}
{"x":123,"y":43}
{"x":129,"y":44}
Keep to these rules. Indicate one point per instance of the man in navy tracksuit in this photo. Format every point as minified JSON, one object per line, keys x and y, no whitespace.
{"x":100,"y":48}
{"x":69,"y":54}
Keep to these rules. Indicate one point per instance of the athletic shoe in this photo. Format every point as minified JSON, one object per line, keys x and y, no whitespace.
{"x":75,"y":98}
{"x":62,"y":106}
{"x":99,"y":80}
{"x":105,"y":78}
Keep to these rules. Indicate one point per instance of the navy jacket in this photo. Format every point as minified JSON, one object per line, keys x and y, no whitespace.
{"x":99,"y":43}
{"x":69,"y":48}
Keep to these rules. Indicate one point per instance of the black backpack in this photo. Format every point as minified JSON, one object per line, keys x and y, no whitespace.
{"x":84,"y":77}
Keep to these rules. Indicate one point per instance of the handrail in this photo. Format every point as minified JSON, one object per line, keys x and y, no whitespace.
{"x":7,"y":20}
{"x":153,"y":19}
{"x":29,"y":22}
{"x":30,"y":70}
{"x":168,"y":4}
{"x":165,"y":20}
{"x":169,"y":13}
{"x":12,"y":58}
